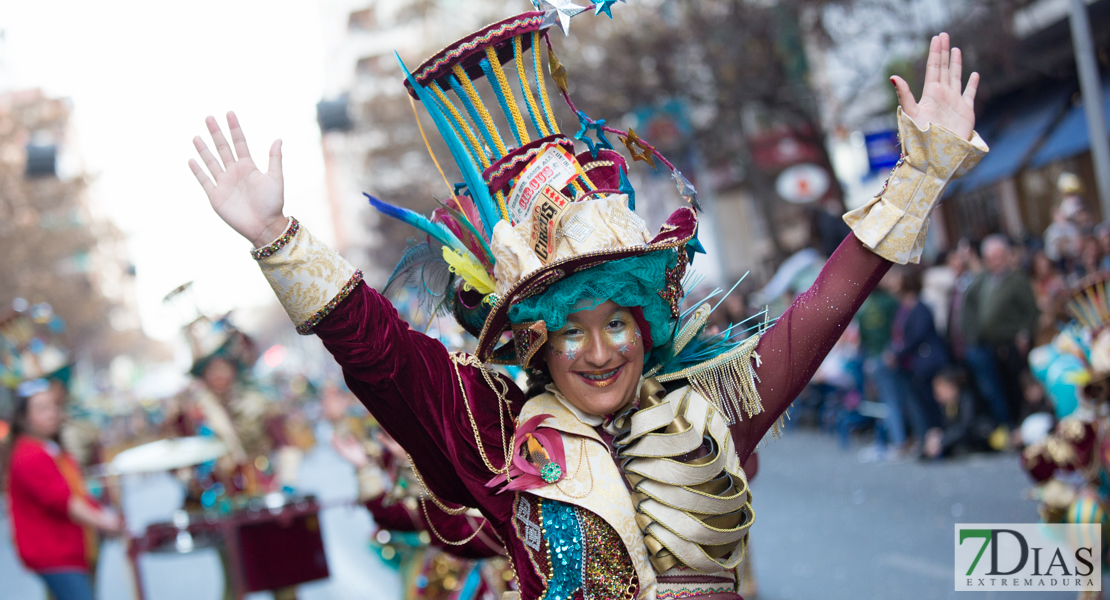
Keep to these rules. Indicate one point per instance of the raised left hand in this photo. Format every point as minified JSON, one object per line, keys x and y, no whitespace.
{"x":942,"y":101}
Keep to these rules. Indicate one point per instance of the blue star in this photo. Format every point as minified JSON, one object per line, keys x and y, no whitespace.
{"x":605,"y":6}
{"x":572,"y":354}
{"x":583,"y":134}
{"x":623,"y":349}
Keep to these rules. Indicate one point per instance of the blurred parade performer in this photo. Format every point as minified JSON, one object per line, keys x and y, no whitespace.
{"x":1070,"y":462}
{"x":222,"y":402}
{"x":55,"y":521}
{"x":619,"y":474}
{"x":412,"y":534}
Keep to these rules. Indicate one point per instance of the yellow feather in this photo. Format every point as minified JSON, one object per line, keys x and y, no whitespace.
{"x":466,"y":266}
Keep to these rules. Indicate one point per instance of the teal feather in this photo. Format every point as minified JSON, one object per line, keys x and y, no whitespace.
{"x":437,"y":231}
{"x":473,"y":177}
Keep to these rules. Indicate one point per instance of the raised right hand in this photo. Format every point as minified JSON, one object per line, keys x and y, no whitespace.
{"x":247,"y":199}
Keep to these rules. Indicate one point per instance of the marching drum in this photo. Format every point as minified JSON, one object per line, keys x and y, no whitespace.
{"x":271,"y":542}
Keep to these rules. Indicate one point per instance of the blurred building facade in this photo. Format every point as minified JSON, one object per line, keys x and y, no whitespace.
{"x":57,"y":248}
{"x":371,"y":142}
{"x":1028,"y":107}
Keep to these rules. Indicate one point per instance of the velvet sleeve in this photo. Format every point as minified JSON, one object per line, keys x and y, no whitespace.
{"x":395,"y":517}
{"x":791,"y":350}
{"x":36,"y":475}
{"x":444,"y":414}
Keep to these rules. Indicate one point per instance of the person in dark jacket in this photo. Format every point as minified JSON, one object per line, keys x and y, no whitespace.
{"x":966,"y":428}
{"x":917,"y":352}
{"x":1000,"y":315}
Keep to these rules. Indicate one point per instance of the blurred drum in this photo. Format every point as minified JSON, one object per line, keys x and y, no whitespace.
{"x":271,"y":542}
{"x":167,"y":455}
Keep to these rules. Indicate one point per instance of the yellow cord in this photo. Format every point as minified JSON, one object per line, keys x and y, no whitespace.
{"x":539,"y":82}
{"x":476,"y":100}
{"x":528,"y":97}
{"x":507,"y":91}
{"x":482,"y":158}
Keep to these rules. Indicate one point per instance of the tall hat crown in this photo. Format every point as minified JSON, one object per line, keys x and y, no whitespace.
{"x":532,"y":213}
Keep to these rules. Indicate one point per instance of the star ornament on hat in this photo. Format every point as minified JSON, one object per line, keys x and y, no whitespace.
{"x":538,"y":227}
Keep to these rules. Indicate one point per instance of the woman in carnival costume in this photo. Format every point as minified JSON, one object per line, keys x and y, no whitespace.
{"x":618,"y":475}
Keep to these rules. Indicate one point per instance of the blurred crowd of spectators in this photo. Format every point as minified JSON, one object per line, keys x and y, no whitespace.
{"x":936,"y":360}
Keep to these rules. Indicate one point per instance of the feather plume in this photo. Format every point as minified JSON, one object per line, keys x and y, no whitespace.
{"x":423,"y":270}
{"x":473,"y":274}
{"x":465,"y":205}
{"x":456,"y":222}
{"x":437,"y":231}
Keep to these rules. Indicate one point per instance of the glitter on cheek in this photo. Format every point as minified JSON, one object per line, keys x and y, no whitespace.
{"x":567,"y":347}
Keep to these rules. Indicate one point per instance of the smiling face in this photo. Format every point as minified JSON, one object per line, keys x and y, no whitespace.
{"x":596,"y":360}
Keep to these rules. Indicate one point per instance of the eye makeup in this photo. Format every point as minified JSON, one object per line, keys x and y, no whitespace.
{"x":568,"y":343}
{"x":621,"y":333}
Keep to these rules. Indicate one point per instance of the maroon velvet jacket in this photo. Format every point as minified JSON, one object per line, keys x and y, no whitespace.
{"x":455,"y":528}
{"x":407,"y":380}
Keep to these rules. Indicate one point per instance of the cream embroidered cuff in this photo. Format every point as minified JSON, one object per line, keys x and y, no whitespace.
{"x":894,"y":223}
{"x":309,"y":278}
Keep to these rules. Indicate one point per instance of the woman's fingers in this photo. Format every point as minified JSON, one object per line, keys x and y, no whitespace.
{"x":209,"y":161}
{"x":972,"y":86}
{"x":956,"y":69}
{"x":932,"y":66}
{"x":237,"y":136}
{"x":222,"y":147}
{"x":275,"y":159}
{"x":944,"y":59}
{"x":202,"y":177}
{"x":905,"y":96}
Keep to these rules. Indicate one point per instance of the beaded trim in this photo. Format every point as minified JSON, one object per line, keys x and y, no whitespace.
{"x":524,"y":157}
{"x":475,"y":43}
{"x":306,"y":327}
{"x":268,"y":251}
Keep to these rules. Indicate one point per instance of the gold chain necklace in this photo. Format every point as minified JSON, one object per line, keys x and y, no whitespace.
{"x":589,"y":469}
{"x":432,"y":528}
{"x":502,"y":405}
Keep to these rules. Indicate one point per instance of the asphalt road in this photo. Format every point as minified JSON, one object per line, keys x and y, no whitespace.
{"x":827,"y":527}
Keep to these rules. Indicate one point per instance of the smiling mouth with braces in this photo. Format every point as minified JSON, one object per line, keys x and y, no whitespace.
{"x":600,"y":376}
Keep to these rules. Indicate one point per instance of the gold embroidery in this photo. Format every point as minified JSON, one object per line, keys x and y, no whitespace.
{"x":895,"y":222}
{"x":307,"y":277}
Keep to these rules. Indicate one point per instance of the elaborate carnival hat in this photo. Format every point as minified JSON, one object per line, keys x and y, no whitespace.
{"x":29,"y":347}
{"x":538,"y":229}
{"x":210,"y":338}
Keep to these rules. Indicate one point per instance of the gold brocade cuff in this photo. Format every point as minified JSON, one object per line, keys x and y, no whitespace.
{"x":894,"y":223}
{"x":309,"y":278}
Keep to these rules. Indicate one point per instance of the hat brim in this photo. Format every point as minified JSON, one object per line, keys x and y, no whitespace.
{"x":679,"y":229}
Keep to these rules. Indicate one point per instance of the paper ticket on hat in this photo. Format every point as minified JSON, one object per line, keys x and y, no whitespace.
{"x":553,"y":166}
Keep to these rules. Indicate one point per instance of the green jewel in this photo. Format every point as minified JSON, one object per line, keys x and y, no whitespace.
{"x":551,"y":472}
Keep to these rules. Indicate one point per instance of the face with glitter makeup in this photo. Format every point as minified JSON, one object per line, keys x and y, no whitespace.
{"x":597,"y":358}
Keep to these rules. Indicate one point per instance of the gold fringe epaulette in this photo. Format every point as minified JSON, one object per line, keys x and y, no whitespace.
{"x":727,"y":381}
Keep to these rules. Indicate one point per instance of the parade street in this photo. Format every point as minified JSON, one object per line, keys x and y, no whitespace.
{"x":827,"y":527}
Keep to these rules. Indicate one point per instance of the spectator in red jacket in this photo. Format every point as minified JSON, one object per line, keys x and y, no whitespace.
{"x":53,"y":519}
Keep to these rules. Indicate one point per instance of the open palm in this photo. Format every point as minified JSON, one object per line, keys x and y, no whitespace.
{"x":943,"y":102}
{"x":247,"y":199}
